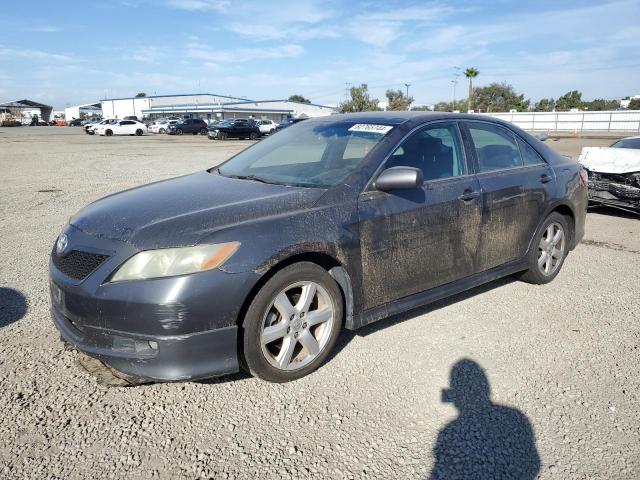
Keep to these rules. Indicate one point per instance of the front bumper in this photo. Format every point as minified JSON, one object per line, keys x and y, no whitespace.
{"x":167,"y":329}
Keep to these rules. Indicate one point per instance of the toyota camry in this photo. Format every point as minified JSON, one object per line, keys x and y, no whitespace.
{"x":333,"y":223}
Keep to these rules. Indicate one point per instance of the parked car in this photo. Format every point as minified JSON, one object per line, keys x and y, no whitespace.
{"x":76,"y":122}
{"x":161,"y":126}
{"x":188,"y":125}
{"x":266,"y":126}
{"x":131,"y":117}
{"x":122,"y":127}
{"x":614,"y":174}
{"x":238,"y":128}
{"x":93,"y":127}
{"x":333,"y":223}
{"x":629,"y":142}
{"x":288,"y":122}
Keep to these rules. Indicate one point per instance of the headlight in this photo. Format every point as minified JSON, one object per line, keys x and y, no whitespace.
{"x":168,"y":262}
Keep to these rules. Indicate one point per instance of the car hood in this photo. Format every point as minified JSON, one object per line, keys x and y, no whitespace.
{"x":610,"y":160}
{"x":188,"y":210}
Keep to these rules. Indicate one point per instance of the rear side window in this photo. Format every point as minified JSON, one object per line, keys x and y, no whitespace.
{"x":529,"y":155}
{"x":496,"y":147}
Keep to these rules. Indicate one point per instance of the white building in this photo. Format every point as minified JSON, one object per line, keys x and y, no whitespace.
{"x":625,"y":103}
{"x":209,"y":107}
{"x":82,"y":111}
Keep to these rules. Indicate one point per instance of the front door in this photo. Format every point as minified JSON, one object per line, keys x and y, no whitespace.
{"x":414,"y":240}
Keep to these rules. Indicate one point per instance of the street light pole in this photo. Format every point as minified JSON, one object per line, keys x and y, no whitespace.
{"x":408,"y":104}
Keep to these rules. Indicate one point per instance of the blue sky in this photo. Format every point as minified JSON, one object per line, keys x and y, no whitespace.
{"x":70,"y":52}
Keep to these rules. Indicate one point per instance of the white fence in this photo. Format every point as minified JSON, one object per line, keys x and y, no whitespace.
{"x":610,"y":121}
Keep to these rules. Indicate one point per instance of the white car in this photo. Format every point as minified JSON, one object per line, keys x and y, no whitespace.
{"x":90,"y":128}
{"x":266,"y":126}
{"x":161,"y":126}
{"x":122,"y":127}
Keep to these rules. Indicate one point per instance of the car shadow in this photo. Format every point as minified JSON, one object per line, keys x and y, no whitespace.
{"x":347,"y":335}
{"x":486,"y":440}
{"x":13,"y":306}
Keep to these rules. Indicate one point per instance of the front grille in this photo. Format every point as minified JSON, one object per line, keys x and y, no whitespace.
{"x":78,"y":265}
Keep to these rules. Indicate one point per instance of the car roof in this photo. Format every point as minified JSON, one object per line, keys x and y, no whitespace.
{"x":397,"y":118}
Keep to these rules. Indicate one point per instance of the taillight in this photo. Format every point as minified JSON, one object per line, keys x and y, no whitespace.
{"x":584,"y":178}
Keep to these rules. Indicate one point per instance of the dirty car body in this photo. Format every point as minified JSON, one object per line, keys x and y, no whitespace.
{"x":388,"y":250}
{"x":614,"y":174}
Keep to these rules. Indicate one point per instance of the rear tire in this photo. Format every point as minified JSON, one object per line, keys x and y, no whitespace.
{"x":203,"y":131}
{"x":162,"y":130}
{"x":281,"y":347}
{"x":253,"y":136}
{"x":139,"y":132}
{"x":548,"y":251}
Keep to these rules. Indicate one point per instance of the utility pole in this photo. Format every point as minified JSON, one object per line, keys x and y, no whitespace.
{"x":408,"y":104}
{"x":347,"y":88}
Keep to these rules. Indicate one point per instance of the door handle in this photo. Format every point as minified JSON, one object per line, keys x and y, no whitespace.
{"x":544,"y":178}
{"x":469,"y":195}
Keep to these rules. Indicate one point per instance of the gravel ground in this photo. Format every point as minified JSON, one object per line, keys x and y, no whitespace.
{"x":545,"y":378}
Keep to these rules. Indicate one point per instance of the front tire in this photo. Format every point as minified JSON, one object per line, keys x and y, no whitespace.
{"x":253,"y":136}
{"x":162,"y":130}
{"x":292,"y":323}
{"x":108,"y":133}
{"x":139,"y":132}
{"x":222,"y":136}
{"x":548,"y":251}
{"x":179,"y":131}
{"x":203,"y":131}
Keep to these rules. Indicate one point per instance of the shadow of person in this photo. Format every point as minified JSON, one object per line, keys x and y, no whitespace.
{"x":485,"y":441}
{"x":13,"y":306}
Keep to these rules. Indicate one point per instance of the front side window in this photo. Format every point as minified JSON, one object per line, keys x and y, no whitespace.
{"x":308,"y":154}
{"x":436,"y":150}
{"x":495,"y":146}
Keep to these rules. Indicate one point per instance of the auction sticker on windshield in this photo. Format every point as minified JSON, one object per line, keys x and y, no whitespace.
{"x":370,"y":128}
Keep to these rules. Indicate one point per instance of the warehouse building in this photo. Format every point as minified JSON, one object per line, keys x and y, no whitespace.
{"x":25,"y":110}
{"x":83,"y":111}
{"x":209,"y":107}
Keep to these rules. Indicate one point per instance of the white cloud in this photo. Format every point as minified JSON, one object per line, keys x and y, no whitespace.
{"x":200,"y":5}
{"x":44,"y":29}
{"x":35,"y":54}
{"x":214,"y":56}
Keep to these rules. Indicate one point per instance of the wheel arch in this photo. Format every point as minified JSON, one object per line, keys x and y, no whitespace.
{"x":331,"y":264}
{"x":564,"y":209}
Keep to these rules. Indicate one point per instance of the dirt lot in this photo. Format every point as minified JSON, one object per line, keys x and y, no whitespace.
{"x":564,"y":355}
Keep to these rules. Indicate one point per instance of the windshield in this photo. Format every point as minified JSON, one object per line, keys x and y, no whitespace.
{"x":627,"y":143}
{"x":308,"y":153}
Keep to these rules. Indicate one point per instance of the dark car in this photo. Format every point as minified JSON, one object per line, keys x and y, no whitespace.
{"x":76,"y":122}
{"x":333,"y":223}
{"x":188,"y":125}
{"x":238,"y":128}
{"x":288,"y":122}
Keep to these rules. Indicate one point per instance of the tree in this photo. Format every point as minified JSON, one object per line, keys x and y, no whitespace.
{"x":569,"y":100}
{"x":499,"y":97}
{"x":600,"y":104}
{"x":634,"y":104}
{"x":141,"y":95}
{"x":471,"y":73}
{"x":398,"y":100}
{"x":545,"y":105}
{"x":460,"y":105}
{"x":299,"y":99}
{"x":359,"y":101}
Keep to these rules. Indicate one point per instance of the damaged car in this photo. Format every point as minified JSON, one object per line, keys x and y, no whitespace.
{"x":614,"y":174}
{"x":334,"y":223}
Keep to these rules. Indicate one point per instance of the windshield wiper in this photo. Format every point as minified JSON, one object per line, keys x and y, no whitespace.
{"x":250,"y":177}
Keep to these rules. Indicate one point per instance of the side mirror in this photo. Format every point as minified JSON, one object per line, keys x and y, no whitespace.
{"x":399,"y":178}
{"x":542,"y":137}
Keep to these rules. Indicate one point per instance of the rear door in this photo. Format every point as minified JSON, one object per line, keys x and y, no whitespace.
{"x":417,"y":239}
{"x":516,"y":185}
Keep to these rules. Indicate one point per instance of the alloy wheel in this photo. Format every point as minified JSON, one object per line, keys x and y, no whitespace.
{"x":297,"y":326}
{"x":551,"y":249}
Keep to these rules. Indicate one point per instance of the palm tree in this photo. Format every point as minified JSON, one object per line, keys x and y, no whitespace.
{"x":471,"y":73}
